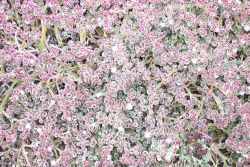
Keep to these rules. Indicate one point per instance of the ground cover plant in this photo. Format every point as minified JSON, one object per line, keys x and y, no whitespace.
{"x":129,"y":83}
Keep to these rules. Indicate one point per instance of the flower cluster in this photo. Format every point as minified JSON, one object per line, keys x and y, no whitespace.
{"x":124,"y":83}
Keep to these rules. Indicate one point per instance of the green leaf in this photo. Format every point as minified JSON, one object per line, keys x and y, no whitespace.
{"x":206,"y":158}
{"x":40,"y":44}
{"x":41,"y":41}
{"x":57,"y":34}
{"x":158,"y":85}
{"x":83,"y":35}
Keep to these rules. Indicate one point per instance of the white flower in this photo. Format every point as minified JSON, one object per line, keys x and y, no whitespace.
{"x":129,"y":106}
{"x":22,"y":92}
{"x":28,"y":126}
{"x":243,"y":42}
{"x":114,"y":48}
{"x":52,"y":102}
{"x":113,"y":70}
{"x":169,"y":140}
{"x":32,"y":61}
{"x":93,"y":125}
{"x":100,"y":21}
{"x":147,"y":135}
{"x":53,"y":163}
{"x":50,"y":149}
{"x":120,"y":129}
{"x":99,"y":94}
{"x":239,"y":2}
{"x":217,"y":29}
{"x":109,"y":157}
{"x":163,"y":24}
{"x":246,"y":28}
{"x":194,"y":50}
{"x":158,"y":157}
{"x":241,"y":93}
{"x":194,"y":61}
{"x":235,"y":50}
{"x":171,"y":22}
{"x":39,"y":130}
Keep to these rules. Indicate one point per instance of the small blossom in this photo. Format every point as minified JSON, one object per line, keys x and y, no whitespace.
{"x":247,"y":28}
{"x":147,"y":135}
{"x":120,"y":129}
{"x":28,"y":126}
{"x":129,"y":106}
{"x":113,"y":70}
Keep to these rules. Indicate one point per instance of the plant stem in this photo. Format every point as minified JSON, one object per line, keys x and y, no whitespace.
{"x":217,"y":100}
{"x":83,"y":35}
{"x":57,"y":34}
{"x":5,"y":100}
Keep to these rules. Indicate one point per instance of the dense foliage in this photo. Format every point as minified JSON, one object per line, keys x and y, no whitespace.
{"x":124,"y":83}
